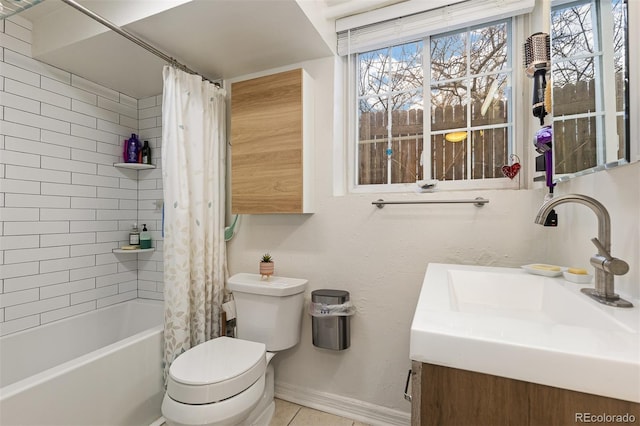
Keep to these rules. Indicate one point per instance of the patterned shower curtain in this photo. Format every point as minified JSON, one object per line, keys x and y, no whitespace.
{"x":193,"y":171}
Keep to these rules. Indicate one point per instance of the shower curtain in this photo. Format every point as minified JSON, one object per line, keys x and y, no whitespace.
{"x":193,"y":171}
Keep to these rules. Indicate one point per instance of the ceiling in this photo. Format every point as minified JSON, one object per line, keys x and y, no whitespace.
{"x":219,"y":39}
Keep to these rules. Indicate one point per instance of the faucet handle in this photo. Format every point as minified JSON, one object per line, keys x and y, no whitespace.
{"x":603,"y":260}
{"x":602,"y":251}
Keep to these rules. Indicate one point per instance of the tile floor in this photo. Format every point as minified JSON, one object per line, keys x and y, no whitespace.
{"x":290,"y":414}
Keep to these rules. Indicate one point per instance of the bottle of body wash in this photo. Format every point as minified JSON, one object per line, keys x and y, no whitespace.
{"x":133,"y":149}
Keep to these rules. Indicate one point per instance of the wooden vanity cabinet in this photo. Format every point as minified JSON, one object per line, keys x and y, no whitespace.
{"x":271,"y":143}
{"x":446,"y":396}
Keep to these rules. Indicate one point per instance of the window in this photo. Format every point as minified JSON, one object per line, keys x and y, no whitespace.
{"x":390,"y":107}
{"x":588,"y":51}
{"x":465,"y":77}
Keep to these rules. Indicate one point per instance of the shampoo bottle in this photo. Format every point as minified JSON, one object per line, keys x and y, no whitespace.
{"x":146,"y":153}
{"x":145,"y":238}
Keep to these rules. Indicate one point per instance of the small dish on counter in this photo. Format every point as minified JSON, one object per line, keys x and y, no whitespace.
{"x":577,"y":278}
{"x":543,"y":269}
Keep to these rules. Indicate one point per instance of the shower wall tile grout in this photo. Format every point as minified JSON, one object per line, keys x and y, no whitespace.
{"x":150,"y":265}
{"x":63,"y":206}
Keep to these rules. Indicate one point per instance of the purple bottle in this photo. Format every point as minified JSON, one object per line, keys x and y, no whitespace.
{"x":133,"y":148}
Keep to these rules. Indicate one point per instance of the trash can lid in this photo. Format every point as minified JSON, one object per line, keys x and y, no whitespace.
{"x":329,"y":296}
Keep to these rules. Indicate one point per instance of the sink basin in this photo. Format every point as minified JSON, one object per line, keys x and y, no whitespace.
{"x":522,"y":297}
{"x":506,"y":322}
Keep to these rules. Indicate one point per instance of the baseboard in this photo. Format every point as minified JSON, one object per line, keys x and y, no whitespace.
{"x":341,"y":406}
{"x":159,"y":422}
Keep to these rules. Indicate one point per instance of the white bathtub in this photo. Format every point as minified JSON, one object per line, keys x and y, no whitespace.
{"x":103,"y":367}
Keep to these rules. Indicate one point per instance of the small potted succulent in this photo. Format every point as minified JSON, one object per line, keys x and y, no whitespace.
{"x":266,"y":266}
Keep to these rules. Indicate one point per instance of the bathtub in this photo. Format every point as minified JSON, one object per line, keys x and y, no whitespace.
{"x":103,"y":367}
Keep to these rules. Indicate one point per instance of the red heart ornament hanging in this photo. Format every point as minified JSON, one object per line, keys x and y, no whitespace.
{"x":511,"y":171}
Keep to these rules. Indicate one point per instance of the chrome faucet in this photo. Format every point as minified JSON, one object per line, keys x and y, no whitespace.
{"x":606,"y":265}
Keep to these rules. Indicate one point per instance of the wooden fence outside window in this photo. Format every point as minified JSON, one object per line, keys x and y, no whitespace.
{"x":574,"y":139}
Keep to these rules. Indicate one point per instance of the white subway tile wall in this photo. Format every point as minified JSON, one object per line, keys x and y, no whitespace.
{"x":149,"y":205}
{"x":63,"y":206}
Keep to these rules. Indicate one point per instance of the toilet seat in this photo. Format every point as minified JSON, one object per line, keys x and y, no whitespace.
{"x":231,"y":411}
{"x":216,"y":370}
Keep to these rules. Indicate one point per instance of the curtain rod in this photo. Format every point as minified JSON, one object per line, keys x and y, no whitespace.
{"x":133,"y":38}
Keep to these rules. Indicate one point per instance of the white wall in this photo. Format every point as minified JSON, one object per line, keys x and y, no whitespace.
{"x":63,"y":206}
{"x":570,"y":244}
{"x":380,"y":257}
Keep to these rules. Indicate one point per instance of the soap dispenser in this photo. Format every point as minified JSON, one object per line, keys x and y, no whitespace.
{"x":145,"y":238}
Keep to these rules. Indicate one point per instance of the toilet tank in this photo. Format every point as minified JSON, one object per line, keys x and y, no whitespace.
{"x":268,"y":310}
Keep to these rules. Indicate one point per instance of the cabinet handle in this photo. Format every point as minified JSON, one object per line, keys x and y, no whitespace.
{"x":407,"y":396}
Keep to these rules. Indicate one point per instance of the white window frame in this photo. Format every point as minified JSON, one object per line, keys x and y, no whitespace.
{"x":518,"y":121}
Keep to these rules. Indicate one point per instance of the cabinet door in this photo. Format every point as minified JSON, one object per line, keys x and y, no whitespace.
{"x":450,"y":396}
{"x":444,"y":396}
{"x":268,"y":143}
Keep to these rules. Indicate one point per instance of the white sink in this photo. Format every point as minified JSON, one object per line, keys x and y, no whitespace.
{"x":525,"y":297}
{"x":506,"y":322}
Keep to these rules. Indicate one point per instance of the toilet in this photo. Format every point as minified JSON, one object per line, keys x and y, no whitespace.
{"x":227,"y":381}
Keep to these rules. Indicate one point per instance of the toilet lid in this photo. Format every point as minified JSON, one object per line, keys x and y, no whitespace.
{"x":215,"y":370}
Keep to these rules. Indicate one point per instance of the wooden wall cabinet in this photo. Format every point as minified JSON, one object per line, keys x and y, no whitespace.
{"x":271,"y":144}
{"x":446,"y":396}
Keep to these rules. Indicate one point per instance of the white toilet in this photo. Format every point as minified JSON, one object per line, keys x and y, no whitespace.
{"x":227,"y":381}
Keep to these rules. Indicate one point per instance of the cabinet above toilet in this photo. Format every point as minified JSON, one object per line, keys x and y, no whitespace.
{"x":271,"y":144}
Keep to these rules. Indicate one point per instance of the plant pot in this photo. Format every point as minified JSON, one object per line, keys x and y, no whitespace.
{"x":266,"y":269}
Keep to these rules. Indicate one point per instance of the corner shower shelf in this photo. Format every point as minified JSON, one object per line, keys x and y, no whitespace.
{"x":134,"y":251}
{"x":134,"y":166}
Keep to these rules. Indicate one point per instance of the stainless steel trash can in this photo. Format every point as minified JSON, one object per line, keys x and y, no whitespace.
{"x":331,"y":332}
